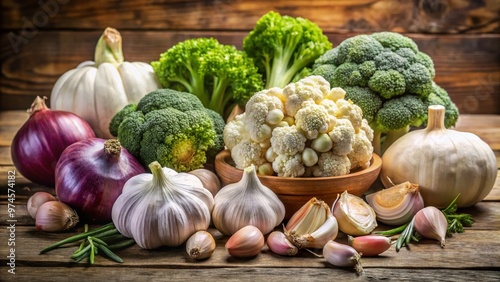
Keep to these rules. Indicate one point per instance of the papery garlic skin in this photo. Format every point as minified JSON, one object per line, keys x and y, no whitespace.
{"x":431,"y":223}
{"x":36,"y":200}
{"x":209,"y":180}
{"x":369,"y":245}
{"x":200,"y":245}
{"x":162,"y":208}
{"x":245,"y":242}
{"x":354,"y":215}
{"x":55,"y":216}
{"x":396,"y":205}
{"x":279,"y":244}
{"x":312,"y":225}
{"x":247,"y":202}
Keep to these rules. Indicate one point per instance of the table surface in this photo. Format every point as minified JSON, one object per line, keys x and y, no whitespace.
{"x":472,"y":255}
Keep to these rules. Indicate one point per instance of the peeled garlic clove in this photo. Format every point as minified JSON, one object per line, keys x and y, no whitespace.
{"x":342,"y":255}
{"x":396,"y":205}
{"x":247,"y":202}
{"x":246,"y":242}
{"x":354,"y":216}
{"x":200,"y":245}
{"x":209,"y":179}
{"x":369,"y":245}
{"x":279,"y":244}
{"x":312,"y":225}
{"x":431,"y":223}
{"x":36,"y":200}
{"x":54,"y":216}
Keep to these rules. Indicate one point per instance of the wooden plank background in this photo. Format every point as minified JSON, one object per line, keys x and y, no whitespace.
{"x":41,"y":39}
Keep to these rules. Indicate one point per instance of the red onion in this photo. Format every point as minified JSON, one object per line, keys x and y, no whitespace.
{"x":90,"y":176}
{"x":43,"y":137}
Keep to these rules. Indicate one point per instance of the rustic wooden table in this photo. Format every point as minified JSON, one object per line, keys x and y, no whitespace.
{"x":472,"y":255}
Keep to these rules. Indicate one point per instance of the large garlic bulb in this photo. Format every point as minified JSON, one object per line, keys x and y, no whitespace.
{"x":163,"y":208}
{"x":442,"y":162}
{"x":247,"y":202}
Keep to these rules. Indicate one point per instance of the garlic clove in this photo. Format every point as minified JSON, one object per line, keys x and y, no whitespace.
{"x":36,"y":200}
{"x":200,"y":245}
{"x":246,"y":242}
{"x":247,"y":202}
{"x":279,"y":244}
{"x":55,"y":216}
{"x":398,"y":204}
{"x":209,"y":179}
{"x":354,"y":215}
{"x":431,"y":223}
{"x":342,"y":255}
{"x":312,"y":225}
{"x":369,"y":245}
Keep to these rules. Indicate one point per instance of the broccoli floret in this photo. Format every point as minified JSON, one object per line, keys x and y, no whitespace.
{"x":170,"y":127}
{"x":219,"y":75}
{"x":119,"y":117}
{"x":377,"y":68}
{"x":396,"y":117}
{"x":282,"y":46}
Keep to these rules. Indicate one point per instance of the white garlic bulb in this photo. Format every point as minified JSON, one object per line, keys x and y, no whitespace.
{"x":247,"y":202}
{"x":162,"y":208}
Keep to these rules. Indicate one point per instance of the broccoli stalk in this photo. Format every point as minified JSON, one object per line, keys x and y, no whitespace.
{"x":282,"y":46}
{"x":381,"y":143}
{"x":219,"y":75}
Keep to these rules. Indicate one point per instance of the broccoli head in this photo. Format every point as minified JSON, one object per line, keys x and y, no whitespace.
{"x":219,"y":75}
{"x":389,"y":78}
{"x":170,"y":127}
{"x":282,"y":46}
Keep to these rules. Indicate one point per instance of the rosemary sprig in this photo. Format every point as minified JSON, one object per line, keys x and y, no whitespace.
{"x":98,"y":241}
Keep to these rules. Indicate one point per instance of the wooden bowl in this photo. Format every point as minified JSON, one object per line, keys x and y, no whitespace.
{"x":295,"y":192}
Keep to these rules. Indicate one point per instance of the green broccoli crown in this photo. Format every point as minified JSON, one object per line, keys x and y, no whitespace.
{"x":401,"y":112}
{"x":366,"y":99}
{"x":170,"y":127}
{"x":282,"y":46}
{"x":219,"y":75}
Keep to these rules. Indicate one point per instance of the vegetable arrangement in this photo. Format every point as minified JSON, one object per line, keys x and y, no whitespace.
{"x":309,"y":111}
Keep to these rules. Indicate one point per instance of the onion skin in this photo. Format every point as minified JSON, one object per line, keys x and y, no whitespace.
{"x":39,"y":142}
{"x":90,"y":179}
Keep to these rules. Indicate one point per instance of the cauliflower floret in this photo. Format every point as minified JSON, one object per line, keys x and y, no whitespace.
{"x":336,"y":93}
{"x":350,"y":111}
{"x":289,"y":165}
{"x":367,"y":129}
{"x":287,"y":140}
{"x":234,"y":131}
{"x":312,"y":119}
{"x":330,"y":106}
{"x":362,"y":151}
{"x":257,"y":110}
{"x":342,"y":137}
{"x":330,"y":164}
{"x":247,"y":153}
{"x":308,"y":89}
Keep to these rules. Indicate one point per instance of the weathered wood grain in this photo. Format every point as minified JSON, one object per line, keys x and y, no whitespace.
{"x":427,"y":16}
{"x":467,"y":66}
{"x":251,"y":274}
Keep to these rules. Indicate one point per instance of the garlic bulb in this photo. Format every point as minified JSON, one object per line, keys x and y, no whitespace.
{"x":36,"y":200}
{"x":443,"y":162}
{"x":342,"y":255}
{"x":354,"y":216}
{"x":312,"y":225}
{"x":396,"y":205}
{"x":279,"y":244}
{"x":247,"y":202}
{"x":246,"y":242}
{"x":431,"y":223}
{"x":55,"y":216}
{"x":200,"y":245}
{"x":162,"y":208}
{"x":369,"y":245}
